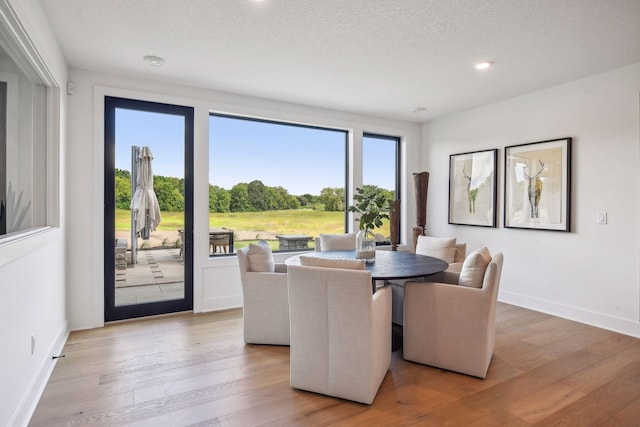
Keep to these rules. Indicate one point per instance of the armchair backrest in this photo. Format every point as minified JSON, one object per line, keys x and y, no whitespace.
{"x":445,"y":248}
{"x":340,"y":332}
{"x":491,"y":280}
{"x":243,"y":261}
{"x":336,"y":242}
{"x":341,"y":298}
{"x":461,"y":252}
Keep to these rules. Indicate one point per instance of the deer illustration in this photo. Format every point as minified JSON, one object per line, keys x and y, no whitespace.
{"x":472,"y":194}
{"x":534,"y":189}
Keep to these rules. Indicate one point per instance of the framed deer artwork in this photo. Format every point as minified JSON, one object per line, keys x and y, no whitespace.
{"x":473,"y":188}
{"x":537,"y":185}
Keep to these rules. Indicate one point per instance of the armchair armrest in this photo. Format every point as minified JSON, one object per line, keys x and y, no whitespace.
{"x":265,"y":308}
{"x":441,"y":303}
{"x":265,"y":280}
{"x":448,"y":276}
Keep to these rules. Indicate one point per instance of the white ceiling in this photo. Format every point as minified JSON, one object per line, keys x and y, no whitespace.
{"x":377,"y":57}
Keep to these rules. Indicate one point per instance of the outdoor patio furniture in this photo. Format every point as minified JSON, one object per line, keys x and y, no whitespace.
{"x":220,"y":240}
{"x":288,"y":242}
{"x":219,"y":243}
{"x":181,"y":233}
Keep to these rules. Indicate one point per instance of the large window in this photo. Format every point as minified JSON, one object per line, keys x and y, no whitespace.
{"x":381,"y":169}
{"x":23,"y":161}
{"x":274,"y":181}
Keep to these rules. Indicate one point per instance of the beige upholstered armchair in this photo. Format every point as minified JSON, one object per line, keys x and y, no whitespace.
{"x":340,"y":331}
{"x":452,"y":325}
{"x":264,"y":295}
{"x":446,"y":249}
{"x":336,"y":242}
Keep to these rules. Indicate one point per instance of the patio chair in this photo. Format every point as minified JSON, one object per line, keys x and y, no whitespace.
{"x":219,"y":242}
{"x":181,"y":234}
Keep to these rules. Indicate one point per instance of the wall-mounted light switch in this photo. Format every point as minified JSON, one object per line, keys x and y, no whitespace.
{"x":602,"y":217}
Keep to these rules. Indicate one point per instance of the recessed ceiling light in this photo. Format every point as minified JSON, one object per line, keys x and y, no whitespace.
{"x":483,"y":65}
{"x":154,"y":61}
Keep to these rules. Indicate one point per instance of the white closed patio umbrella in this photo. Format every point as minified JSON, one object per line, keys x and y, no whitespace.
{"x":144,"y":203}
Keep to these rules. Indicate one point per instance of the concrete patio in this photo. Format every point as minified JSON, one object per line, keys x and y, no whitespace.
{"x":157,"y":276}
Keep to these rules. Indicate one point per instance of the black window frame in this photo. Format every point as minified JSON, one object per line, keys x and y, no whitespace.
{"x":398,"y":169}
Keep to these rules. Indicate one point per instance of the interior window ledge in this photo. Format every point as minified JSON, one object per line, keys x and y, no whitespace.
{"x":222,"y":261}
{"x":16,"y":245}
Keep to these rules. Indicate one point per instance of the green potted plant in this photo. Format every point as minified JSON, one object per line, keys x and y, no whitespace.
{"x":372,"y":205}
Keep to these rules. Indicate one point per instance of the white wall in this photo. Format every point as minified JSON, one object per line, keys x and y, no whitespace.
{"x":216,"y":281}
{"x":591,"y":273}
{"x":32,"y":282}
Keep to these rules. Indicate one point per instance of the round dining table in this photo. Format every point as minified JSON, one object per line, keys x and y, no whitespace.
{"x":388,"y":265}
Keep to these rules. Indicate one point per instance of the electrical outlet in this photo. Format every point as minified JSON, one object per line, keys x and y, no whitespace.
{"x":33,"y":344}
{"x":602,"y":217}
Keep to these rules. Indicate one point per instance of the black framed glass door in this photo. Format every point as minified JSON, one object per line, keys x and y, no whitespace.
{"x":148,"y":190}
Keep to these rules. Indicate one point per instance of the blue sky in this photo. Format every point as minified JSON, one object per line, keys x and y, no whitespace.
{"x":163,"y":133}
{"x":302,"y":160}
{"x":379,"y":157}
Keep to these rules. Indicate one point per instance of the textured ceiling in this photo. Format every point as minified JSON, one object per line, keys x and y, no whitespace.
{"x":378,"y":57}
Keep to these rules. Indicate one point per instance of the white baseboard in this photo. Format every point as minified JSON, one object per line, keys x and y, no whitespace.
{"x":604,"y":321}
{"x":222,"y":303}
{"x":24,"y":412}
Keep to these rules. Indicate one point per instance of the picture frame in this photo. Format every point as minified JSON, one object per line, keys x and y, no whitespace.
{"x":473,"y":188}
{"x":537,"y":185}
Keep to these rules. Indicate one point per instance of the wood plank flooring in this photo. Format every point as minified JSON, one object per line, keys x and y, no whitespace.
{"x":195,"y":370}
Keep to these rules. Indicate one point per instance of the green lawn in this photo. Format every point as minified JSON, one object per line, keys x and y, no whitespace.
{"x":294,"y":221}
{"x":171,"y":221}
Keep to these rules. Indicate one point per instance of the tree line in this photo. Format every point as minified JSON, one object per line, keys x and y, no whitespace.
{"x":242,"y":197}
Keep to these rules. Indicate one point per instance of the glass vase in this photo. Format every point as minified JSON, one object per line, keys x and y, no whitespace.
{"x":366,"y":245}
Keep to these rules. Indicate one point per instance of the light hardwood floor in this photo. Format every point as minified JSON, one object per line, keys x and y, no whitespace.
{"x":191,"y":369}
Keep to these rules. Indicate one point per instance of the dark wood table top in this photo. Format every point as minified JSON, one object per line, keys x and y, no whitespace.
{"x":388,"y":264}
